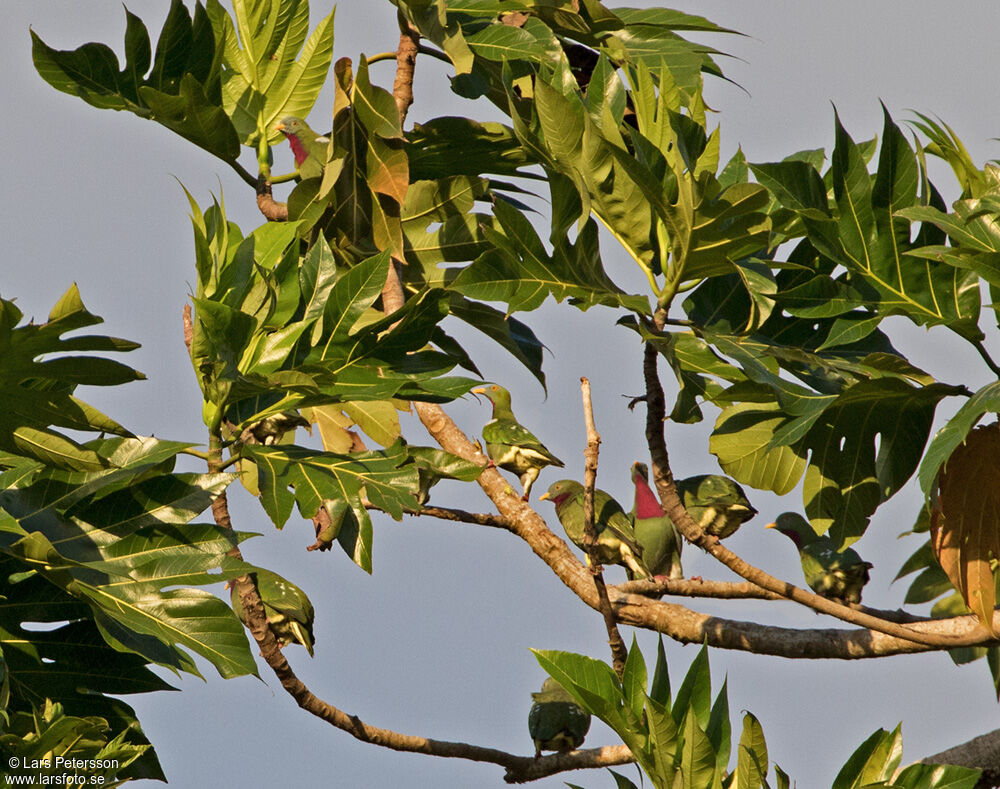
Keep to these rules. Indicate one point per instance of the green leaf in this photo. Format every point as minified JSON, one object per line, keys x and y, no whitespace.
{"x":521,"y":273}
{"x":621,"y":782}
{"x":659,"y":690}
{"x":37,"y":392}
{"x":452,"y":146}
{"x":937,"y":776}
{"x":986,"y":399}
{"x":634,"y":680}
{"x":695,"y":692}
{"x":592,"y":683}
{"x":512,"y":335}
{"x":875,"y":760}
{"x":719,"y":728}
{"x":871,"y":236}
{"x":752,"y":764}
{"x":743,"y":443}
{"x":697,"y":756}
{"x":181,"y":91}
{"x":317,"y":477}
{"x":503,"y":42}
{"x":797,"y":185}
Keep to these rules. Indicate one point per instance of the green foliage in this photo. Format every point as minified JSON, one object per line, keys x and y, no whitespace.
{"x":49,"y":733}
{"x":271,"y":68}
{"x":684,"y":741}
{"x":97,"y":542}
{"x":789,"y":270}
{"x":680,"y":741}
{"x":180,"y":87}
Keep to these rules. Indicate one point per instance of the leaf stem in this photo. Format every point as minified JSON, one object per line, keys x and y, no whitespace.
{"x":243,"y":173}
{"x":978,"y":345}
{"x":434,"y":53}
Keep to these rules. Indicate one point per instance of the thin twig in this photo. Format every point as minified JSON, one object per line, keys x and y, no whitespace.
{"x":619,"y":653}
{"x":981,"y":349}
{"x":437,"y":54}
{"x":243,"y":173}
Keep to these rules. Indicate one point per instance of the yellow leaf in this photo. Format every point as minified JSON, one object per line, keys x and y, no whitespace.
{"x":332,"y":426}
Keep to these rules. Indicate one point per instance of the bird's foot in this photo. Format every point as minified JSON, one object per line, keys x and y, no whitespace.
{"x":696,"y":578}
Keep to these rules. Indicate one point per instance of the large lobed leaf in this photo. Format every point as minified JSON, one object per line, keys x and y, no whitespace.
{"x":342,"y":483}
{"x":38,"y":393}
{"x":179,"y":87}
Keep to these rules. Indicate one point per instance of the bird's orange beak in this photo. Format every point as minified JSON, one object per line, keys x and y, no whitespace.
{"x":771,"y":526}
{"x":544,"y":496}
{"x":280,"y":127}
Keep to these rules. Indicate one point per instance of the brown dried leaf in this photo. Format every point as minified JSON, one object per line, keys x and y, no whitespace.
{"x":965,"y":520}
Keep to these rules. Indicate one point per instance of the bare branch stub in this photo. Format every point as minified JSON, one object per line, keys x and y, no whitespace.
{"x":619,"y":653}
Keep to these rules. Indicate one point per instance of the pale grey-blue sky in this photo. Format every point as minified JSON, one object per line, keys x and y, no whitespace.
{"x":435,"y":642}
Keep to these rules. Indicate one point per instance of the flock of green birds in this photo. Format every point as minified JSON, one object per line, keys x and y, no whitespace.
{"x":644,"y":541}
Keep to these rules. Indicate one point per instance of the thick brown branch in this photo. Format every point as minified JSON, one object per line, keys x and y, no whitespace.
{"x":675,"y":621}
{"x":697,"y":587}
{"x":272,"y":210}
{"x":674,"y":509}
{"x":982,"y":752}
{"x":406,"y":58}
{"x":619,"y":654}
{"x":519,"y":768}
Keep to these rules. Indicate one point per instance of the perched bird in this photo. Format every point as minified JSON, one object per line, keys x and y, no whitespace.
{"x":716,"y":503}
{"x":838,"y":575}
{"x":616,"y":543}
{"x":289,"y":612}
{"x":308,"y":147}
{"x":654,"y":531}
{"x":510,"y":445}
{"x":556,"y":722}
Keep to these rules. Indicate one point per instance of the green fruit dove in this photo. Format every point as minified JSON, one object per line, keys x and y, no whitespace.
{"x":616,"y":543}
{"x":716,"y":503}
{"x":556,"y":722}
{"x":837,"y":575}
{"x":288,"y":610}
{"x":308,"y":147}
{"x":654,"y":531}
{"x":510,"y":445}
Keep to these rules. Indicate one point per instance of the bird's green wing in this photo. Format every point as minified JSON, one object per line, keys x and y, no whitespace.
{"x":289,"y":612}
{"x":507,"y":432}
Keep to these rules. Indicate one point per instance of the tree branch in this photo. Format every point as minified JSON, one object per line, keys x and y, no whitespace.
{"x":406,"y":58}
{"x":674,"y":509}
{"x":982,"y":752}
{"x":619,"y":653}
{"x":272,"y":210}
{"x":453,"y":514}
